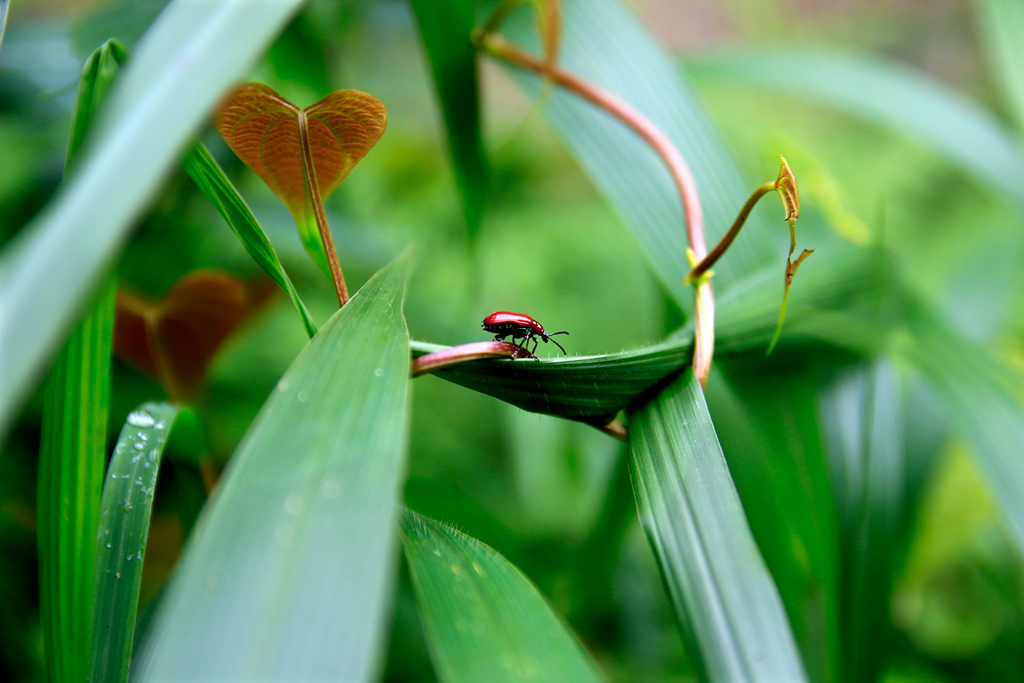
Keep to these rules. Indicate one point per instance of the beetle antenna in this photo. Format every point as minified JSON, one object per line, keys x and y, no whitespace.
{"x":547,"y":338}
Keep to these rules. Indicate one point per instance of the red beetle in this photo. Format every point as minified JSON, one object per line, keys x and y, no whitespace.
{"x":519,"y":326}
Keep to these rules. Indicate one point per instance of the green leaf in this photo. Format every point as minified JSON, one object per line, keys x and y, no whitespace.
{"x":589,"y":389}
{"x":767,"y":419}
{"x":605,"y":44}
{"x":188,"y":58}
{"x":208,"y":175}
{"x":733,"y":620}
{"x":74,"y":441}
{"x":121,"y":537}
{"x":893,"y":96}
{"x":485,"y":621}
{"x":1002,"y":24}
{"x":833,"y":303}
{"x":862,"y":418}
{"x":71,"y":460}
{"x":96,"y":80}
{"x":288,"y":570}
{"x":975,"y":392}
{"x":445,"y":27}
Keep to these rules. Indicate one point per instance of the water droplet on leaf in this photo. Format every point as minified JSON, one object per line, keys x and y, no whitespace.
{"x":140,"y":418}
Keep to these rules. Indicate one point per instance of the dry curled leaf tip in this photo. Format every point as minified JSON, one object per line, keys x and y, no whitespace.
{"x":788,"y":190}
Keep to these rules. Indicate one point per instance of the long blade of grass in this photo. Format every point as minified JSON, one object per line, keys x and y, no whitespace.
{"x":215,"y":186}
{"x":893,"y":96}
{"x":188,"y":58}
{"x":121,"y":537}
{"x":767,"y":420}
{"x":74,"y":442}
{"x":287,"y":573}
{"x":485,"y":621}
{"x":1002,"y":24}
{"x":979,"y":403}
{"x":71,"y":461}
{"x":445,"y":27}
{"x":732,"y":617}
{"x":605,"y":44}
{"x":862,"y":418}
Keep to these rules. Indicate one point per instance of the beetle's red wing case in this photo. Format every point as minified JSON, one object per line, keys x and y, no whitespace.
{"x":505,"y":317}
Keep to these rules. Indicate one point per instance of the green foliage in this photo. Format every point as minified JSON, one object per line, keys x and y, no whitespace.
{"x":1003,"y":22}
{"x":980,"y":403}
{"x":446,"y":27}
{"x":626,"y":170}
{"x":216,"y":187}
{"x":194,"y":52}
{"x":767,"y":422}
{"x":895,"y":97}
{"x":817,"y":518}
{"x":288,"y":572}
{"x":724,"y":596}
{"x":73,"y":449}
{"x":120,"y":539}
{"x":71,"y":461}
{"x":484,"y":619}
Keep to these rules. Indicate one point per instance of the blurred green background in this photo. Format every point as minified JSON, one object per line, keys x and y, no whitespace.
{"x":553,"y":496}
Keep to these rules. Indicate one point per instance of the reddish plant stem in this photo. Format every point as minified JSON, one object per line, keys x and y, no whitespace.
{"x":338,"y":280}
{"x":462,"y":353}
{"x":633,"y":119}
{"x":677,"y":167}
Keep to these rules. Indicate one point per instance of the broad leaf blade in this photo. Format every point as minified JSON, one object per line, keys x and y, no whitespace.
{"x":605,"y":44}
{"x":767,"y":419}
{"x":896,"y":97}
{"x":446,"y":27}
{"x":485,"y":621}
{"x":186,"y":60}
{"x":121,"y":537}
{"x":207,"y":174}
{"x":724,"y":596}
{"x":288,"y":570}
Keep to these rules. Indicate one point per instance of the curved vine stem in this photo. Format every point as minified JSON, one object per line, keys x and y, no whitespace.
{"x":704,"y":301}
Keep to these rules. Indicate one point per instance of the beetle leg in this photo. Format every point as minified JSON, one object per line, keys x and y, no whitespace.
{"x":525,"y":344}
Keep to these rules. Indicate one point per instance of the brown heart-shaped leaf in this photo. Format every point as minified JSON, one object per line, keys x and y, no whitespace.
{"x":174,"y":339}
{"x":263,"y":130}
{"x":269,"y":134}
